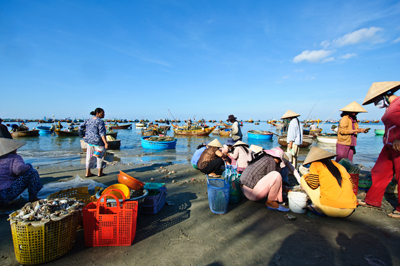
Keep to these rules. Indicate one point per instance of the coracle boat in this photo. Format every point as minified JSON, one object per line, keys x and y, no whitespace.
{"x":259,"y":134}
{"x":115,"y":126}
{"x":112,"y":145}
{"x":379,"y":132}
{"x":312,"y":131}
{"x":140,"y":124}
{"x":61,"y":133}
{"x":27,"y":133}
{"x":225,"y":132}
{"x":327,"y":138}
{"x":193,"y":132}
{"x":148,"y":143}
{"x":307,"y":141}
{"x":44,"y":130}
{"x":112,"y":134}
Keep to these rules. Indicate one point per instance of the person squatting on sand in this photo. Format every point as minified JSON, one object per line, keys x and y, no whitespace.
{"x":197,"y":154}
{"x":212,"y":159}
{"x":15,"y":174}
{"x":294,"y":135}
{"x":242,"y":154}
{"x":347,"y":132}
{"x":388,"y":163}
{"x":94,"y":131}
{"x":328,"y":185}
{"x":262,"y":177}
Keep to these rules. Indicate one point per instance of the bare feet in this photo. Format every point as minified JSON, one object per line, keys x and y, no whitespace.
{"x":272,"y":204}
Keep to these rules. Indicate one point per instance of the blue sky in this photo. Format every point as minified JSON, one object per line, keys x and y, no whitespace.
{"x":254,"y":59}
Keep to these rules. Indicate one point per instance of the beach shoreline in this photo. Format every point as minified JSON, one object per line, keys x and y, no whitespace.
{"x":188,"y":233}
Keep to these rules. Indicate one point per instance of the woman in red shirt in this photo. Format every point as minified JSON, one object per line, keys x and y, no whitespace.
{"x":388,"y":163}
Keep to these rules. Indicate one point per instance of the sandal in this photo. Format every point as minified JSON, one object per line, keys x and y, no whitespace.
{"x":364,"y":204}
{"x":394,"y":214}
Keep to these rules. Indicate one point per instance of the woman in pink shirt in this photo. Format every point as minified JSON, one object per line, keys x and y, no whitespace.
{"x":15,"y":174}
{"x":242,"y":154}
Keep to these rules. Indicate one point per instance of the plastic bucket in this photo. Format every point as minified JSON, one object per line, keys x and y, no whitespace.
{"x":297,"y":201}
{"x":218,"y":195}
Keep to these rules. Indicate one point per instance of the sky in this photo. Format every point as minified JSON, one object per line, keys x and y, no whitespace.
{"x":196,"y":58}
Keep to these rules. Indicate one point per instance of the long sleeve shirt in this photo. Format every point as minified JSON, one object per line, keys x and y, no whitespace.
{"x":236,"y":131}
{"x":11,"y":166}
{"x":94,"y":130}
{"x":295,"y":132}
{"x":241,"y":156}
{"x":391,"y":120}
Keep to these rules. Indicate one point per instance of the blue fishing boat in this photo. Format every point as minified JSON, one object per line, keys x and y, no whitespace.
{"x":44,"y":130}
{"x":259,"y":134}
{"x":157,"y":145}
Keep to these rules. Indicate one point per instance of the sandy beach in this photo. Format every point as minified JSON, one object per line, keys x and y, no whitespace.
{"x":188,"y":233}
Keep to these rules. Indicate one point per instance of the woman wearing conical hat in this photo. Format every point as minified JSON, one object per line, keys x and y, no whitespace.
{"x":294,"y":136}
{"x":15,"y":174}
{"x":328,"y":185}
{"x":242,"y":154}
{"x":211,"y":159}
{"x":388,"y":163}
{"x":348,"y":130}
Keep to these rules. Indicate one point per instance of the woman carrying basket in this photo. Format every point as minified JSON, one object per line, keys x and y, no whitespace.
{"x":95,"y":137}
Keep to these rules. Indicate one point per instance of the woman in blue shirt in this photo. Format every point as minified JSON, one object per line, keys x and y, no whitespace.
{"x":95,"y":137}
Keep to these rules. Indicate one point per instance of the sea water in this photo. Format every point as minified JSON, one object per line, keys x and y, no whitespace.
{"x":50,"y":149}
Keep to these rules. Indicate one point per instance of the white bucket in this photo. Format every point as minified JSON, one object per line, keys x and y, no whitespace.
{"x":297,"y":201}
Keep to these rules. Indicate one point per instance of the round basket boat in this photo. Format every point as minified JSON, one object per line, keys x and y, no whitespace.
{"x":256,"y":135}
{"x":379,"y":132}
{"x":158,"y":145}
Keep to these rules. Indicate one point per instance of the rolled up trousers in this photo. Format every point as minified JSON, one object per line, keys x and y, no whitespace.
{"x":388,"y":163}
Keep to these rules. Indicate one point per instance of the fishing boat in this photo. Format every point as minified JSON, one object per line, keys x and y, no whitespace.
{"x":312,"y":131}
{"x":379,"y":132}
{"x":26,"y":133}
{"x":61,"y":133}
{"x":307,"y":141}
{"x":193,"y":132}
{"x":157,"y":145}
{"x":259,"y":134}
{"x":216,"y":131}
{"x":116,"y":126}
{"x":112,"y":134}
{"x":329,"y":139}
{"x":140,"y":124}
{"x":375,"y":121}
{"x":112,"y":145}
{"x":256,"y":123}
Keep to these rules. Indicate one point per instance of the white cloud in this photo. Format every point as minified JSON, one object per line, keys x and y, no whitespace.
{"x":362,"y":35}
{"x":348,"y":55}
{"x":329,"y":59}
{"x":325,"y":44}
{"x":397,"y":40}
{"x":286,"y":77}
{"x":312,"y":56}
{"x":299,"y":70}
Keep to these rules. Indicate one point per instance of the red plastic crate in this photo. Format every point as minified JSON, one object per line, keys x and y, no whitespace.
{"x":110,"y":226}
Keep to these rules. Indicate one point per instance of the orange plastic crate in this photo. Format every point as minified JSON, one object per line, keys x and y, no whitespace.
{"x":110,"y":226}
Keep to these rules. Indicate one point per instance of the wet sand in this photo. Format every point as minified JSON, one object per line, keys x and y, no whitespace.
{"x":188,"y":233}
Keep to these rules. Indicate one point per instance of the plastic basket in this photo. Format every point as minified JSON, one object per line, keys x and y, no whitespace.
{"x":218,"y":195}
{"x":153,"y":204}
{"x":354,"y":179}
{"x":110,"y":226}
{"x":34,"y":245}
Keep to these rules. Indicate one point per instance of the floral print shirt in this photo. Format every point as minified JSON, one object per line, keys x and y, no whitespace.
{"x":94,"y":130}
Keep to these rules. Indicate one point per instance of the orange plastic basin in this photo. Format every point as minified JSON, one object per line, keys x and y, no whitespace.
{"x":131,"y":182}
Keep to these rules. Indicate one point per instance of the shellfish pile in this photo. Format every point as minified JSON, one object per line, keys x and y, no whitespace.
{"x":44,"y":210}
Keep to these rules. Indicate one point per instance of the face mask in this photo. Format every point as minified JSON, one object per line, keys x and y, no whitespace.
{"x":381,"y":102}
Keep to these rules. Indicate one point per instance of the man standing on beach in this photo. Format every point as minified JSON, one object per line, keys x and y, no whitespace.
{"x":236,"y":131}
{"x":4,"y":133}
{"x":294,"y":136}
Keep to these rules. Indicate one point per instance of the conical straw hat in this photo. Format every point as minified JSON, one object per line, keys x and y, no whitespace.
{"x":240,"y":143}
{"x":354,"y":107}
{"x":215,"y":143}
{"x":378,"y":88}
{"x":9,"y":145}
{"x":316,"y":154}
{"x":289,"y":114}
{"x":256,"y":148}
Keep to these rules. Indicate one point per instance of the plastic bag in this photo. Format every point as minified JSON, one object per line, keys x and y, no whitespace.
{"x":54,"y":187}
{"x":233,"y":179}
